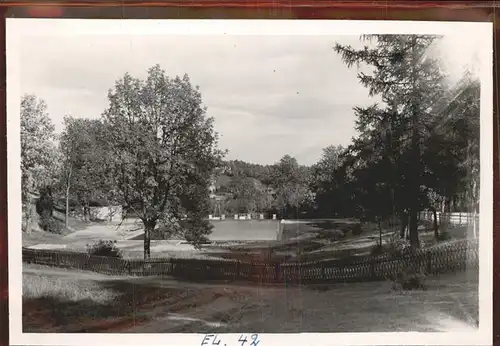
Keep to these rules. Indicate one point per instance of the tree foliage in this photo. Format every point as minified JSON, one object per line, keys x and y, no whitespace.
{"x":329,"y":183}
{"x":37,"y":144}
{"x":410,"y":83}
{"x":86,"y":170}
{"x":291,"y":183}
{"x":163,"y":152}
{"x":418,"y":148}
{"x":39,"y":157}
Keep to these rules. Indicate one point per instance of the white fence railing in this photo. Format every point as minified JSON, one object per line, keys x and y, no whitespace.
{"x":453,"y":218}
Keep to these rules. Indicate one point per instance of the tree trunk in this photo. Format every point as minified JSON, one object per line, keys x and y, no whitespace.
{"x":404,"y":223}
{"x":436,"y":228}
{"x":413,"y":228}
{"x":148,"y":229}
{"x":379,"y":233}
{"x":28,"y":215}
{"x":32,"y":218}
{"x":68,"y":184}
{"x":147,"y":243}
{"x":415,"y":148}
{"x":474,"y":224}
{"x":86,"y":212}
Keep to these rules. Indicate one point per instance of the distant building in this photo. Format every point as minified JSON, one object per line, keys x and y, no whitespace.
{"x":108,"y":213}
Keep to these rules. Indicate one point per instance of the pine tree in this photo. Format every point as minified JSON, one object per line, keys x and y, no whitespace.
{"x":409,"y":82}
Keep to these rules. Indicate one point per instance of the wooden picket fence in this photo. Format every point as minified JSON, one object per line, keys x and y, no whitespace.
{"x":460,"y":255}
{"x":453,"y":218}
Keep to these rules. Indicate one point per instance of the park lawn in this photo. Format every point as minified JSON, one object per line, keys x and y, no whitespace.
{"x":60,"y":300}
{"x":300,"y":241}
{"x":41,"y":237}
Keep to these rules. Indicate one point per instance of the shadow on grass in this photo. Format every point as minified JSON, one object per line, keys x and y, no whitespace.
{"x":74,"y":224}
{"x":140,"y":301}
{"x":50,"y":314}
{"x":292,"y":230}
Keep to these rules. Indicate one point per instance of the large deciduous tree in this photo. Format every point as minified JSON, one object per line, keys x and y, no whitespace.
{"x":163,"y":151}
{"x":291,"y":182}
{"x":245,"y":194}
{"x":39,"y":161}
{"x":86,"y":174}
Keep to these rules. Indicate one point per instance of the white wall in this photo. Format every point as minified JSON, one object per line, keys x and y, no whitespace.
{"x":110,"y":213}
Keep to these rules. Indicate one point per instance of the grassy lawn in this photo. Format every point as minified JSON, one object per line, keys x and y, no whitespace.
{"x":60,"y":300}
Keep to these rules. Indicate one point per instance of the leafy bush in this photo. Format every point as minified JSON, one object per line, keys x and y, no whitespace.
{"x":105,"y":248}
{"x":44,"y":205}
{"x":397,"y":247}
{"x":331,"y":234}
{"x":461,"y":231}
{"x":50,"y":224}
{"x":336,"y":234}
{"x":426,"y":225}
{"x":356,"y":229}
{"x":98,"y":203}
{"x":409,"y":279}
{"x":445,"y":224}
{"x":377,"y":250}
{"x":444,"y":235}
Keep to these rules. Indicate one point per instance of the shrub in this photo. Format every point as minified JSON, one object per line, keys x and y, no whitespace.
{"x":345,"y":230}
{"x":461,"y":231}
{"x":50,"y":224}
{"x":426,"y":225}
{"x":444,"y":235}
{"x":377,"y":250}
{"x":105,"y":248}
{"x":98,"y":203}
{"x":398,"y":247}
{"x":337,"y":234}
{"x":44,"y":205}
{"x":409,"y":279}
{"x":444,"y":224}
{"x":331,"y":234}
{"x":356,"y":229}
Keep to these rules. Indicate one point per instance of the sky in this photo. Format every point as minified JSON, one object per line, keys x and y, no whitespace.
{"x":269,"y":95}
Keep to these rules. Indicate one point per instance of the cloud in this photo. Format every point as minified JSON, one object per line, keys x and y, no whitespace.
{"x":269,"y":95}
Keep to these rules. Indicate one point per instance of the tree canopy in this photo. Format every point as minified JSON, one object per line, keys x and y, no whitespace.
{"x":39,"y":157}
{"x":162,"y":152}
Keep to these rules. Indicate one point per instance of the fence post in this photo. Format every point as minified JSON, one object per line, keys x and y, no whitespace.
{"x":323,"y":272}
{"x":428,"y":258}
{"x":372,"y":269}
{"x":277,"y":271}
{"x":237,"y":274}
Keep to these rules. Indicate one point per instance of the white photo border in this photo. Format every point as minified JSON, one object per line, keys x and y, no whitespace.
{"x":16,"y":28}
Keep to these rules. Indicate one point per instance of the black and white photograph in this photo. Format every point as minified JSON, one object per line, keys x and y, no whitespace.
{"x":236,"y":179}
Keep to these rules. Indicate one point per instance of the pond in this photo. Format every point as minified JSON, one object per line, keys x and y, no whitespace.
{"x":250,"y":230}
